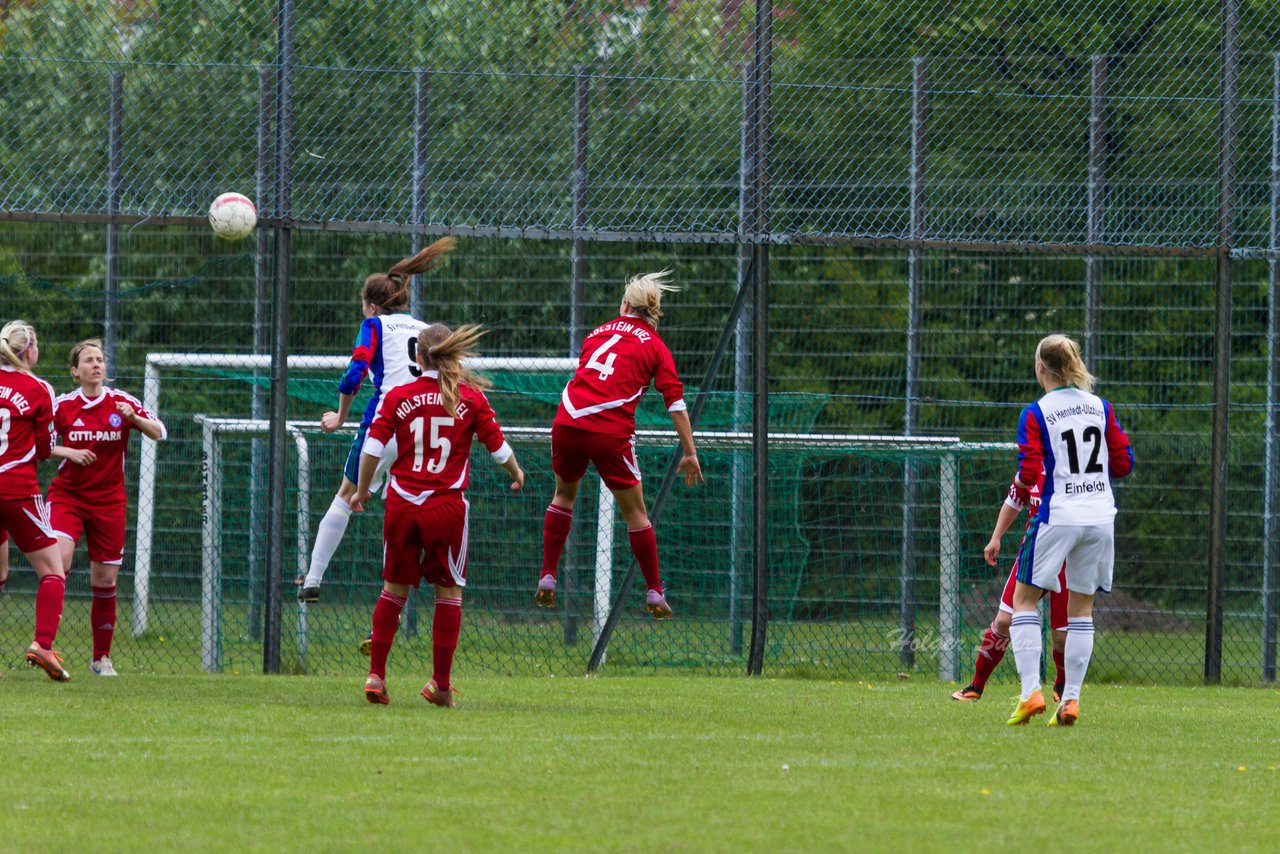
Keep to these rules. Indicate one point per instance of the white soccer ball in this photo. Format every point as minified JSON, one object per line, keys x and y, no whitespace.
{"x":232,"y":216}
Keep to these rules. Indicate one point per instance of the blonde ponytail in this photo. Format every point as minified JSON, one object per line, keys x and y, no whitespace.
{"x":1060,"y":358}
{"x":442,"y":349}
{"x":15,"y":339}
{"x":644,"y":295}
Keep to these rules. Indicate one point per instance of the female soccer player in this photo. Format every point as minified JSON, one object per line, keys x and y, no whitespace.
{"x":87,"y":496}
{"x":1073,"y":437}
{"x":996,"y":638}
{"x":26,"y":437}
{"x":386,"y":346}
{"x":596,"y":423}
{"x":424,"y":531}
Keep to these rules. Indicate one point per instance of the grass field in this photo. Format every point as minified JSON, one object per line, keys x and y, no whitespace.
{"x":157,"y":763}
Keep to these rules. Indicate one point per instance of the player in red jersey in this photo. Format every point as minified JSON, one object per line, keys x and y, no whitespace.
{"x":596,"y":424}
{"x":87,"y":496}
{"x":26,"y":437}
{"x":995,"y":641}
{"x":424,"y":531}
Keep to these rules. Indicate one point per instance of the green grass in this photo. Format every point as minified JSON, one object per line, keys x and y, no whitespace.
{"x":204,"y":763}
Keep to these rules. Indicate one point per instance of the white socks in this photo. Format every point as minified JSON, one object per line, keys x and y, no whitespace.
{"x":1026,"y":642}
{"x":328,"y":538}
{"x":1078,"y":651}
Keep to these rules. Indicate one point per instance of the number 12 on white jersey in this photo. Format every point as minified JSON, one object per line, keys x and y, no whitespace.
{"x":437,"y":441}
{"x":606,"y":367}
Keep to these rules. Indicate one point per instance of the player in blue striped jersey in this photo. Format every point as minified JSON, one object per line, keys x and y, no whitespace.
{"x":1073,"y":437}
{"x":386,"y":348}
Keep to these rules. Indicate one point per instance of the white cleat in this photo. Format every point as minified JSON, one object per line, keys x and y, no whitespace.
{"x":103,"y":667}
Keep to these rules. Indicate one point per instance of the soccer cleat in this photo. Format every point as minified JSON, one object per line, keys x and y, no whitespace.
{"x":103,"y":667}
{"x":366,"y":645}
{"x":969,"y":694}
{"x":437,"y":697}
{"x":309,"y":594}
{"x":1066,"y":714}
{"x":546,"y":595}
{"x":1027,"y":709}
{"x":657,"y":605}
{"x":375,"y":691}
{"x":48,"y":661}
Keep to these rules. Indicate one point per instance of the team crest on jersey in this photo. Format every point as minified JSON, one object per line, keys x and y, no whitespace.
{"x":115,"y":420}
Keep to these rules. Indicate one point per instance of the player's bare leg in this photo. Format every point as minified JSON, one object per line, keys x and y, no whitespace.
{"x":102,"y":616}
{"x":644,"y":545}
{"x":329,"y":534}
{"x":1078,"y":651}
{"x":4,"y":564}
{"x":555,"y":530}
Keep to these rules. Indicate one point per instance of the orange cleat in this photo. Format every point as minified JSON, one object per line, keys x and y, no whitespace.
{"x":1027,"y":709}
{"x":546,"y":595}
{"x":49,"y":661}
{"x":657,"y":604}
{"x":1066,"y":715}
{"x":969,"y":694}
{"x":437,"y":697}
{"x":375,"y":691}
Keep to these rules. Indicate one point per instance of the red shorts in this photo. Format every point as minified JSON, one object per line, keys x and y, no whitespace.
{"x":1057,"y":601}
{"x":613,"y":456}
{"x":427,"y":542}
{"x":102,"y":527}
{"x":27,"y":521}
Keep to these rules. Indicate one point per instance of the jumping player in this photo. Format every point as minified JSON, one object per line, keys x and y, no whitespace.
{"x":26,"y":437}
{"x":1072,"y":436}
{"x":386,"y":347}
{"x":87,"y":496}
{"x":431,"y":421}
{"x":996,"y":638}
{"x":596,"y":424}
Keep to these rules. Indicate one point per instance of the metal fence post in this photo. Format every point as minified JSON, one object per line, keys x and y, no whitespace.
{"x":111,"y":310}
{"x":1096,"y":193}
{"x":261,"y":342}
{"x":915,"y":275}
{"x":739,"y":492}
{"x":1222,"y":340}
{"x":578,"y":179}
{"x":1270,"y":526}
{"x":421,"y":92}
{"x":763,"y":69}
{"x":280,"y":336}
{"x":949,"y":574}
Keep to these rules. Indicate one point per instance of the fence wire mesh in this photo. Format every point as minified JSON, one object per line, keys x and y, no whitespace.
{"x":974,"y":158}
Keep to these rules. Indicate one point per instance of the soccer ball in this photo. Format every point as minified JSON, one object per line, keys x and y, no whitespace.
{"x":232,"y":216}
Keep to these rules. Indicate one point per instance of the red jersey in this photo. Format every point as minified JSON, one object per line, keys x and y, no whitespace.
{"x":434,"y":447}
{"x":95,"y":425}
{"x":618,"y":362}
{"x":26,"y":431}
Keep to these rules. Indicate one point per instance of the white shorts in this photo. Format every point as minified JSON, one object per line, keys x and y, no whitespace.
{"x":1089,"y":552}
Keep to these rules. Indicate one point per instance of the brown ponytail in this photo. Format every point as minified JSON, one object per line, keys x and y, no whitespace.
{"x":1060,"y":357}
{"x":389,"y":291}
{"x":442,"y":349}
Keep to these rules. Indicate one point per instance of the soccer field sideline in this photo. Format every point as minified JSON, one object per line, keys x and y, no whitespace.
{"x":621,"y":763}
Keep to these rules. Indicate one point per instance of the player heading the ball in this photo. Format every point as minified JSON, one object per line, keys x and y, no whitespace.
{"x":1071,"y":436}
{"x":26,"y":438}
{"x":596,"y":424}
{"x":386,"y":346}
{"x":431,"y":422}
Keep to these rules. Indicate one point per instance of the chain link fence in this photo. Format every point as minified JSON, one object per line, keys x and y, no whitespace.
{"x":935,"y":185}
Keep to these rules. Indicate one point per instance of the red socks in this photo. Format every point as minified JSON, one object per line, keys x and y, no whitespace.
{"x":102,"y":618}
{"x":644,"y":545}
{"x":993,"y":648}
{"x":445,"y":625}
{"x":555,"y":530}
{"x":49,"y":609}
{"x":386,"y":621}
{"x":1060,"y":663}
